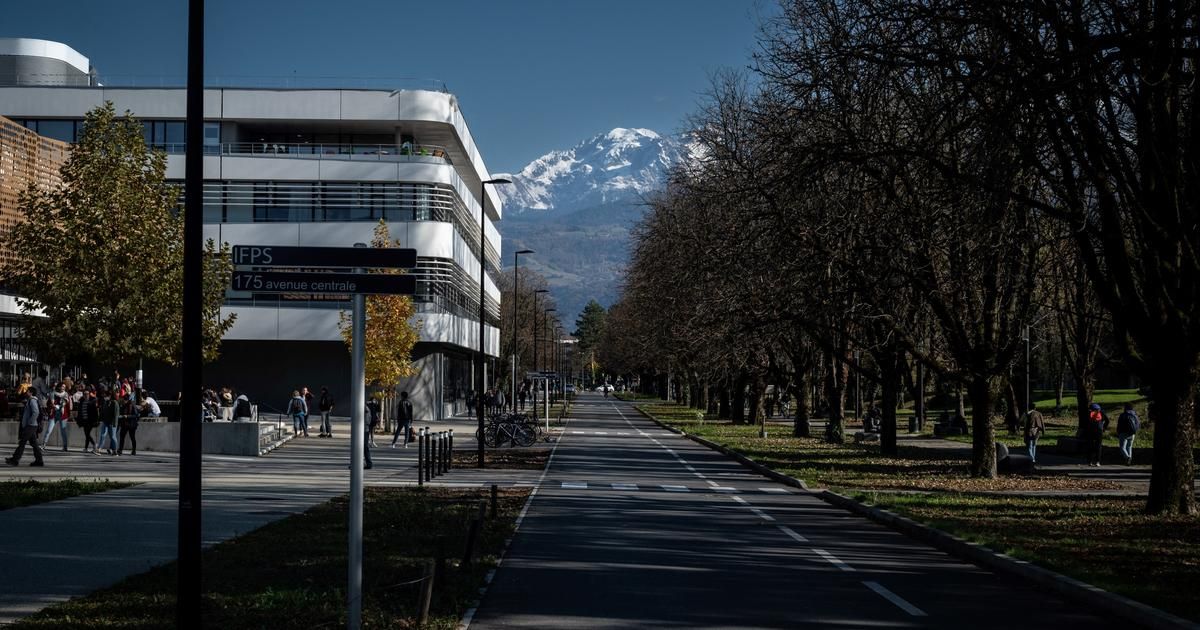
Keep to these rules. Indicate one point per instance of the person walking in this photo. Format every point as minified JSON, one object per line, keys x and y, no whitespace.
{"x":1097,"y":422}
{"x":298,"y":410}
{"x":60,"y":414}
{"x":1035,"y":426}
{"x":110,"y":415}
{"x":87,"y":418}
{"x":326,"y":407}
{"x":1128,"y":425}
{"x":523,"y":393}
{"x":404,"y":419}
{"x":471,"y":402}
{"x":27,"y":431}
{"x":373,"y":409}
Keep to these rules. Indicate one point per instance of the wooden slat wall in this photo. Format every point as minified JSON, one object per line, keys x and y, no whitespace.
{"x":25,"y":158}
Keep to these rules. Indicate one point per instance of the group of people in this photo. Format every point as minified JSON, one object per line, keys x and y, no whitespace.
{"x":493,"y":400}
{"x":301,"y":405}
{"x":114,"y":405}
{"x":1092,"y":431}
{"x":226,"y":405}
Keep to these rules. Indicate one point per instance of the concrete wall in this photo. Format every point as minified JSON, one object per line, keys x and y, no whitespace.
{"x":218,"y":438}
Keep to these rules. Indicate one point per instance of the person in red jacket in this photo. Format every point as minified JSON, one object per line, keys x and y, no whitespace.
{"x":1097,"y":423}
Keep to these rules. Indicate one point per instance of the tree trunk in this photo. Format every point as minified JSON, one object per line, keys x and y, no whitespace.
{"x":739,"y":399}
{"x":1085,"y":388}
{"x":983,"y":449}
{"x":962,"y":410}
{"x":758,"y":414}
{"x":890,"y":383}
{"x":1058,"y":391}
{"x":835,"y":392}
{"x":724,"y":406}
{"x":802,"y":426}
{"x":1175,"y":415}
{"x":1012,"y":418}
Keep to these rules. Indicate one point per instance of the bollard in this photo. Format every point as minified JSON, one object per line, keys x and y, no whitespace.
{"x":450,"y":456}
{"x":473,"y":534}
{"x":421,"y":457}
{"x":429,"y":473}
{"x":437,"y":454}
{"x":445,"y":452}
{"x":441,"y":452}
{"x":495,"y":499}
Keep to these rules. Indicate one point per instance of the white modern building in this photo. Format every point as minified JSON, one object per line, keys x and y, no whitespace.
{"x":310,"y":167}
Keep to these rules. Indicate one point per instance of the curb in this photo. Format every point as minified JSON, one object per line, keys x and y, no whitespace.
{"x":1142,"y":615}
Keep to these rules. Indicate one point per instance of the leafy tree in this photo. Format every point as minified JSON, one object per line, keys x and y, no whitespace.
{"x":101,"y":256}
{"x":390,"y":336}
{"x":589,"y":328}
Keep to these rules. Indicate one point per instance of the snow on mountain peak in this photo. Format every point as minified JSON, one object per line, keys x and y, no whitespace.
{"x":617,"y":165}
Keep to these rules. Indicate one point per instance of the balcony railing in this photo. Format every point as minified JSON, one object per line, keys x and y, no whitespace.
{"x":407,"y":152}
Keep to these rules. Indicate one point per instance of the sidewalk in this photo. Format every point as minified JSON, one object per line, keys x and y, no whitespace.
{"x":54,"y":551}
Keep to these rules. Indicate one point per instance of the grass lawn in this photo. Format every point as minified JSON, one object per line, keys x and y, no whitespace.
{"x":292,"y":573}
{"x":1107,"y":542}
{"x":853,"y":465}
{"x":22,"y":492}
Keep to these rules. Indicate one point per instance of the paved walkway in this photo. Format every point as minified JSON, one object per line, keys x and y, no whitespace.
{"x":54,"y":551}
{"x":635,"y":527}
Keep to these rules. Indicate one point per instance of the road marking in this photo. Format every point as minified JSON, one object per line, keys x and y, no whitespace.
{"x":622,"y":433}
{"x":774,"y":490}
{"x":575,"y":485}
{"x":624,"y":486}
{"x":577,"y":433}
{"x":675,"y":488}
{"x":895,"y":599}
{"x":601,"y":432}
{"x":790,"y":532}
{"x":833,"y":560}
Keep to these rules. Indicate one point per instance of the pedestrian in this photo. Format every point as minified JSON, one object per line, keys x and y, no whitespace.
{"x":404,"y":418}
{"x":110,"y":414}
{"x":372,"y":419}
{"x":59,"y":415}
{"x":1128,"y":425}
{"x":298,"y":410}
{"x":1035,"y":426}
{"x":501,"y":400}
{"x":310,"y":403}
{"x":326,"y":407}
{"x":31,"y":422}
{"x":88,"y":417}
{"x":1094,"y":435}
{"x":471,"y":402}
{"x":226,"y":404}
{"x":367,"y":464}
{"x":523,"y":393}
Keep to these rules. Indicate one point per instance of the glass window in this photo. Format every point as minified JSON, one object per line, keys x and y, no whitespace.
{"x":174,"y":134}
{"x":58,"y":129}
{"x":212,"y":138}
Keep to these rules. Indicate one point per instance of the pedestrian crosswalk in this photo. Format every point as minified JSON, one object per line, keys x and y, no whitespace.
{"x":633,"y":487}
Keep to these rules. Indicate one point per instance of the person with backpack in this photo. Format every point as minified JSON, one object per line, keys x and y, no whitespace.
{"x":1097,"y":422}
{"x":326,"y":407}
{"x":31,"y":425}
{"x":241,"y":409}
{"x":110,"y":414}
{"x":1127,"y":428}
{"x":373,"y":409}
{"x":88,"y":417}
{"x":298,"y":410}
{"x":1035,"y":426}
{"x":404,"y":419}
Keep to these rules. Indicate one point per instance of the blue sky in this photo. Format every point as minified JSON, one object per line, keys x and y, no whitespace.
{"x":531,"y":75}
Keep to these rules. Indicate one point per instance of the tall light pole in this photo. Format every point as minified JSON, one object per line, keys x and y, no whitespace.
{"x":533,"y":391}
{"x":516,"y":292}
{"x":482,"y":276}
{"x":546,"y":402}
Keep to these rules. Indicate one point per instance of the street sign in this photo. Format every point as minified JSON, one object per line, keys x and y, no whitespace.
{"x":323,"y":282}
{"x":280,"y":256}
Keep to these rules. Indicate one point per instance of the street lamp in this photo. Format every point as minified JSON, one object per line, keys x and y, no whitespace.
{"x":482,"y":276}
{"x":533,"y":392}
{"x":516,"y":292}
{"x":545,"y":321}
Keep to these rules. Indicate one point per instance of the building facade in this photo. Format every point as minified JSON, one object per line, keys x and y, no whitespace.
{"x":320,"y":167}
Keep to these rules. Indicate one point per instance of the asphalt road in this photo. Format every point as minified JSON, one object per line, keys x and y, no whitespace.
{"x":636,"y":527}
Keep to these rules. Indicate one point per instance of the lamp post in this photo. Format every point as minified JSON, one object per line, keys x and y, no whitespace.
{"x":482,"y":276}
{"x":516,"y":292}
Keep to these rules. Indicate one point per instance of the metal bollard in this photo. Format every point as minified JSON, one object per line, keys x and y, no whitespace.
{"x":428,"y":454}
{"x":421,"y":457}
{"x":450,"y":455}
{"x":442,"y":459}
{"x":437,"y":454}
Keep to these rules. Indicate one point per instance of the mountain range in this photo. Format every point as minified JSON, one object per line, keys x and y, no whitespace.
{"x":575,"y":208}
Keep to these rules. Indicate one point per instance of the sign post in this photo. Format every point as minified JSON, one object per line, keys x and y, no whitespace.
{"x":358,"y":284}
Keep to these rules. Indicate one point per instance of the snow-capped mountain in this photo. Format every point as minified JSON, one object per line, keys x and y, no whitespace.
{"x":611,"y":167}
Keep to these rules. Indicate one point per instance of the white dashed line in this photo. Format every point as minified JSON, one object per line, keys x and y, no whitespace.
{"x":574,"y":485}
{"x":624,"y":486}
{"x":675,"y":488}
{"x":833,"y":560}
{"x":774,"y":490}
{"x":790,"y":532}
{"x":601,"y":432}
{"x":895,"y":599}
{"x":577,"y":433}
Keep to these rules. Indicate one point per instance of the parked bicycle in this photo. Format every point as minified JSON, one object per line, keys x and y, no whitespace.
{"x":509,"y":428}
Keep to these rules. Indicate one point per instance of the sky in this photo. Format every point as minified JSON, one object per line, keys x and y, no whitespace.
{"x":531,"y":76}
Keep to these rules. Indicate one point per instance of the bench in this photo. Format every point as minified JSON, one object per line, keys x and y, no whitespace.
{"x":942,"y":430}
{"x":863,"y":437}
{"x":1012,"y":463}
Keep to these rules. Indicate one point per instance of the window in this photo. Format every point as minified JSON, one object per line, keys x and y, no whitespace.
{"x":58,"y":129}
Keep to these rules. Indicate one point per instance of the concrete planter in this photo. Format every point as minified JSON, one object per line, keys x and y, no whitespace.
{"x":217,"y":438}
